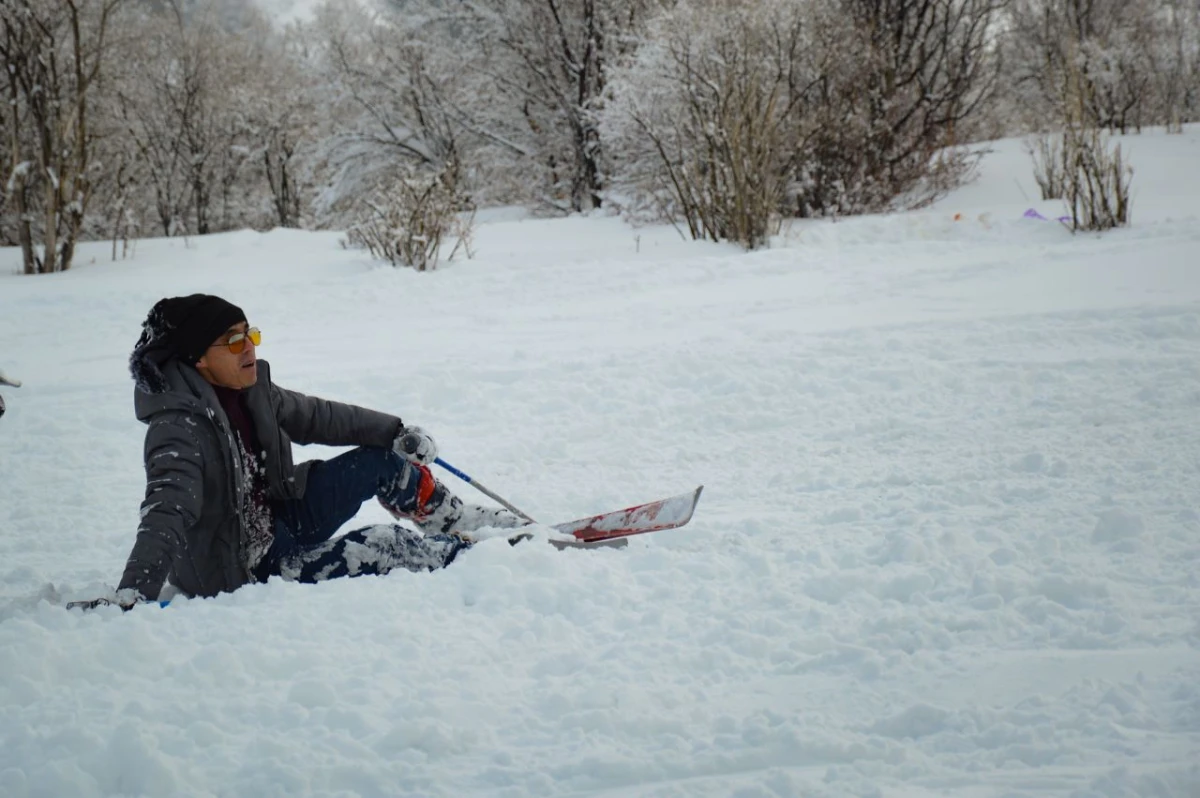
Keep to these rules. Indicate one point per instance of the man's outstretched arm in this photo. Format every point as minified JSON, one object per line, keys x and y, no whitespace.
{"x":174,"y":498}
{"x":310,"y":419}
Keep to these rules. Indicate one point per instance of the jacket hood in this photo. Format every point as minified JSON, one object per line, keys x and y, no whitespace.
{"x":175,"y":389}
{"x":181,"y":387}
{"x":146,"y":364}
{"x":151,"y":353}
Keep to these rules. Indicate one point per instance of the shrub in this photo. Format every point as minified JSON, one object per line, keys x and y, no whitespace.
{"x":406,"y":221}
{"x":1097,"y":181}
{"x":1089,"y":173}
{"x":1048,"y":165}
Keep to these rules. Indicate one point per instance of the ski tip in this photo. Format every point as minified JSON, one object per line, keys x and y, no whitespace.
{"x":692,"y":510}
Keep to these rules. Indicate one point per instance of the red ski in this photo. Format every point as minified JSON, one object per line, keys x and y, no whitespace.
{"x":668,"y":513}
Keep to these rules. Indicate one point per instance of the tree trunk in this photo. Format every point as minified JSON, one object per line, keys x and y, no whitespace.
{"x":200,"y":198}
{"x":50,"y":236}
{"x":18,"y":180}
{"x":24,"y":226}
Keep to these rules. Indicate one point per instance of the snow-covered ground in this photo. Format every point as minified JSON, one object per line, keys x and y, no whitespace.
{"x":949,"y":543}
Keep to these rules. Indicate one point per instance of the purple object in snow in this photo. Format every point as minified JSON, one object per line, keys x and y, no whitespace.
{"x":1033,"y":214}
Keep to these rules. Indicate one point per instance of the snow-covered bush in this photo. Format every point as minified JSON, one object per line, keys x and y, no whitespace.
{"x":1083,"y":166}
{"x":1138,"y":61}
{"x":737,"y":112}
{"x":707,"y":116}
{"x":200,"y":116}
{"x":1046,"y":150}
{"x":901,"y":80}
{"x":1097,"y":180}
{"x":406,"y":221}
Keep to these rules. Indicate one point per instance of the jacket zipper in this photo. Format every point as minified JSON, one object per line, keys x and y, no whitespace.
{"x":235,"y":471}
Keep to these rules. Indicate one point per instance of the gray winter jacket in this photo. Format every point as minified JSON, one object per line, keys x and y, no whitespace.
{"x":191,"y":532}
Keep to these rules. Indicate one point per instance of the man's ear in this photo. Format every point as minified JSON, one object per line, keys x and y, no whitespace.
{"x":202,"y":363}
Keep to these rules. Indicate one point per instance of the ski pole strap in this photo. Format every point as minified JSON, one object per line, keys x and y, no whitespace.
{"x":467,"y":479}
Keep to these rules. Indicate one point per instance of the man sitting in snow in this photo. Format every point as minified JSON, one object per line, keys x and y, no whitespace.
{"x":224,"y":503}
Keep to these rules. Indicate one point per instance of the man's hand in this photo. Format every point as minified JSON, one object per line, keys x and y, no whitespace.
{"x":89,"y":605}
{"x":125,"y":599}
{"x":416,"y":445}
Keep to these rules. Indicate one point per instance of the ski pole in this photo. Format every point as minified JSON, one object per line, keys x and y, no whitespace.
{"x":467,"y":479}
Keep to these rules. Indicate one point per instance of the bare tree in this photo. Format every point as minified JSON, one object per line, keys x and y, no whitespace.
{"x":549,"y":60}
{"x":387,"y":98}
{"x":279,"y":121}
{"x":53,"y":52}
{"x":717,"y":105}
{"x":210,"y":113}
{"x":143,"y":106}
{"x":288,"y":115}
{"x":1084,"y":168}
{"x":1175,"y":63}
{"x":809,"y":107}
{"x":911,"y":73}
{"x":19,"y":185}
{"x":124,"y":219}
{"x":208,"y":107}
{"x":1108,"y":43}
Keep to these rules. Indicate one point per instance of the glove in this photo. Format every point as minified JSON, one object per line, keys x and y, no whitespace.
{"x":416,"y":445}
{"x":125,"y":599}
{"x":125,"y":606}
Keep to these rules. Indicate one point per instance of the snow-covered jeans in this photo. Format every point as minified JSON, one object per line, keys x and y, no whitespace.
{"x":304,"y":548}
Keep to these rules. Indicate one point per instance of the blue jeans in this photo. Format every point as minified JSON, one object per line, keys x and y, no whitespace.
{"x":304,"y":548}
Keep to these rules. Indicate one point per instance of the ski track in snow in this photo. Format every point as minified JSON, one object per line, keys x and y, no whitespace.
{"x":948,"y":543}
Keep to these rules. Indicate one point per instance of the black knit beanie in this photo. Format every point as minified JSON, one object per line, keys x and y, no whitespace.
{"x":183,"y":327}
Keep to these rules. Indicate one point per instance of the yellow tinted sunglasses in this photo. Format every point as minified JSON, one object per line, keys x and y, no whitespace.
{"x":237,"y":341}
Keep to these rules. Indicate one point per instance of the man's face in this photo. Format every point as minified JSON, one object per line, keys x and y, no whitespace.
{"x":222,"y":367}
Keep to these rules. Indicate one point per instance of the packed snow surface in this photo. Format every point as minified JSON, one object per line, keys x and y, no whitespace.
{"x":949,"y":541}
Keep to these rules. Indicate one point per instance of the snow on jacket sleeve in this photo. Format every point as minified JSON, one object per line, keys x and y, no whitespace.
{"x":174,"y":498}
{"x":310,"y":419}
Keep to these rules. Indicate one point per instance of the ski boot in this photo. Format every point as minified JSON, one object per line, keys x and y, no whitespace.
{"x":436,"y":511}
